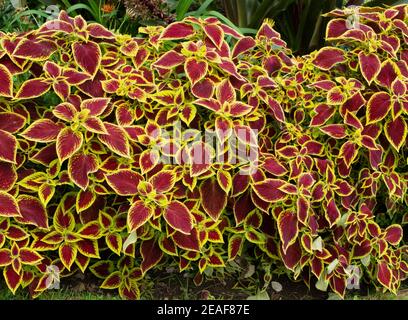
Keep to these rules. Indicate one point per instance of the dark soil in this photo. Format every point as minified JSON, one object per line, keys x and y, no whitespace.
{"x":161,"y":286}
{"x":175,"y":287}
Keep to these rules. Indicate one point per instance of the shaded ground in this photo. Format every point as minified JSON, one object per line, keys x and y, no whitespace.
{"x":176,"y":287}
{"x":231,"y":289}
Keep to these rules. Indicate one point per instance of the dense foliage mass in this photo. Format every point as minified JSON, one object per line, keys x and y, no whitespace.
{"x":88,"y":116}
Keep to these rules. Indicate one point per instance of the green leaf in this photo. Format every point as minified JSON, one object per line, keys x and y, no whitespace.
{"x":72,"y":9}
{"x":365,"y":261}
{"x":261,"y":295}
{"x":322,"y":283}
{"x":268,"y":9}
{"x":317,"y":244}
{"x":249,"y":271}
{"x":182,"y":8}
{"x":130,"y":240}
{"x":33,"y":12}
{"x":333,"y":296}
{"x":332,"y":266}
{"x":202,"y":9}
{"x":382,"y":3}
{"x":209,"y":271}
{"x":229,"y":23}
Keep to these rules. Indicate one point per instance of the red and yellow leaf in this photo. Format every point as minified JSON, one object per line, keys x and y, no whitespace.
{"x":378,"y":107}
{"x":68,"y":143}
{"x":328,"y":57}
{"x":8,"y":147}
{"x":138,"y":215}
{"x":151,"y":254}
{"x":88,"y":56}
{"x":80,"y":165}
{"x":8,"y":205}
{"x":178,"y":217}
{"x":124,"y":182}
{"x":32,"y":211}
{"x":43,"y":130}
{"x":33,"y":88}
{"x":213,"y":198}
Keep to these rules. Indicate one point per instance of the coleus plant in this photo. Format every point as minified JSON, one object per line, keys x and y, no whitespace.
{"x":104,"y":163}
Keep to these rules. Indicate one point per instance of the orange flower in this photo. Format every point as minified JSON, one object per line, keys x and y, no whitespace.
{"x":107,"y":8}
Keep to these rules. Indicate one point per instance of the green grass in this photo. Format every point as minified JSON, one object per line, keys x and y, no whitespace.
{"x":402,"y":295}
{"x":65,"y":294}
